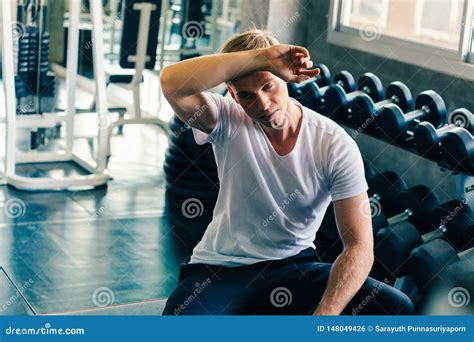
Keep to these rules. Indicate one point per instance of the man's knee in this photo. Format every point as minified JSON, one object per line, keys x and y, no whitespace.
{"x":378,"y":298}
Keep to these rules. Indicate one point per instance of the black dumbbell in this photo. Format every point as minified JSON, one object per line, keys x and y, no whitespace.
{"x":383,"y":191}
{"x":457,"y":151}
{"x":324,"y":77}
{"x":398,"y":126}
{"x":296,"y":90}
{"x":337,"y":101}
{"x":315,"y":94}
{"x":427,"y":261}
{"x":364,"y":110}
{"x":312,"y":95}
{"x":427,"y":138}
{"x":394,"y":243}
{"x":369,"y":171}
{"x":413,"y":205}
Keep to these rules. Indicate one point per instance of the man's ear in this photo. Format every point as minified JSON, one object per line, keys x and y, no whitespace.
{"x":231,"y":92}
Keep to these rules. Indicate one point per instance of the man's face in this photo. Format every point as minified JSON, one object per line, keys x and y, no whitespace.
{"x":262,"y":95}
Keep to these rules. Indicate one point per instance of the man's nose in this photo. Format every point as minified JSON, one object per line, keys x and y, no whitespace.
{"x":263,"y":102}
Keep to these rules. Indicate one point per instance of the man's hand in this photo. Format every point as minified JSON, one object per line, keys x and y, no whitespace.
{"x":289,"y":62}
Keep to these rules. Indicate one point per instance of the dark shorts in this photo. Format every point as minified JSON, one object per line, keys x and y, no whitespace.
{"x":291,"y":286}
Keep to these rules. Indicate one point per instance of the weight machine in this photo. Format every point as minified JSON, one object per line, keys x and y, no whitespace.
{"x":97,"y":173}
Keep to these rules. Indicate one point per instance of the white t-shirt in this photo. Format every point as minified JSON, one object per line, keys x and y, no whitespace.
{"x":270,"y":206}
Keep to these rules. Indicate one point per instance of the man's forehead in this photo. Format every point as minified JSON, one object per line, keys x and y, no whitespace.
{"x":254,"y":80}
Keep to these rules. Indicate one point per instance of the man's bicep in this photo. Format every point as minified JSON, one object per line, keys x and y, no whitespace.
{"x":353,"y":220}
{"x":196,"y":110}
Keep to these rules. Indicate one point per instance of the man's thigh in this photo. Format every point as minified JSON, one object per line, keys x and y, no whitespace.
{"x":207,"y":294}
{"x":297,"y":289}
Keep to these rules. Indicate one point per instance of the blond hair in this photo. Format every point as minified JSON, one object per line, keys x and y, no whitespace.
{"x":249,"y":40}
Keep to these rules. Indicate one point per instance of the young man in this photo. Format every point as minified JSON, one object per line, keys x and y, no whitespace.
{"x":279,"y":166}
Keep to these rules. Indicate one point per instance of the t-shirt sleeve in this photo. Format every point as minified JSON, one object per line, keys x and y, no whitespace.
{"x":345,"y":167}
{"x":229,"y":118}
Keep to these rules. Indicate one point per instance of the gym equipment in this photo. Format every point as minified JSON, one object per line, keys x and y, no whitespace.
{"x":427,"y":261}
{"x":96,"y":173}
{"x":451,"y":220}
{"x":364,"y":110}
{"x":383,"y":191}
{"x":398,"y":127}
{"x":457,"y":148}
{"x":427,"y":137}
{"x":138,"y":52}
{"x":413,"y":205}
{"x":137,"y":14}
{"x":298,"y":90}
{"x":313,"y":95}
{"x":190,"y":169}
{"x":368,"y":170}
{"x":338,"y":101}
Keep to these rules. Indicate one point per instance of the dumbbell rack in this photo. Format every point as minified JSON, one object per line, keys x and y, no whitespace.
{"x":98,"y":174}
{"x":447,"y":184}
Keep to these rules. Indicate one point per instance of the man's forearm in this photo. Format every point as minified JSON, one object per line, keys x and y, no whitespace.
{"x":209,"y":71}
{"x":348,"y":273}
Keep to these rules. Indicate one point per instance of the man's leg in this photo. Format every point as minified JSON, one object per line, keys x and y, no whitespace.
{"x":206,"y":290}
{"x":297,"y":288}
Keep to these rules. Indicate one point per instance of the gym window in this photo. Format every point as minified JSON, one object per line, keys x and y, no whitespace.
{"x":434,"y":34}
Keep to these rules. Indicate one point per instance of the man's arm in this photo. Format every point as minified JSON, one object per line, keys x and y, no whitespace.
{"x":352,"y":266}
{"x":183,"y":83}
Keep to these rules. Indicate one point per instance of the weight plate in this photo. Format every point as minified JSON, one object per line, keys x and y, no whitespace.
{"x":437,"y":109}
{"x":401,"y":95}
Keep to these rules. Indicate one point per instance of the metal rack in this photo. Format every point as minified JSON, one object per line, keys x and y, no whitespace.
{"x":98,"y":174}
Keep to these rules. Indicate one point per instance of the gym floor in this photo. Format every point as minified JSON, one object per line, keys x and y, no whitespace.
{"x":63,"y":246}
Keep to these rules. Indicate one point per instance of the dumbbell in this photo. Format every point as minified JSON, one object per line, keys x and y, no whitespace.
{"x":427,"y":137}
{"x":383,"y":191}
{"x":414,"y":205}
{"x":364,"y":110}
{"x":337,"y":101}
{"x":427,"y":261}
{"x":393,"y":244}
{"x":398,"y":126}
{"x":296,"y":90}
{"x":368,"y":170}
{"x":457,"y":151}
{"x":311,"y":95}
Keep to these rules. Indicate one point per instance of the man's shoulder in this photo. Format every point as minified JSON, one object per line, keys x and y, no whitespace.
{"x":320,"y":123}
